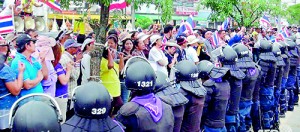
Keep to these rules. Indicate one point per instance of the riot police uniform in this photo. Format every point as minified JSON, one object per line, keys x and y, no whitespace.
{"x":92,"y":104}
{"x":291,"y":81}
{"x":228,"y":58}
{"x":283,"y":92}
{"x":187,"y":82}
{"x":164,"y":87}
{"x":145,"y":111}
{"x":277,"y":84}
{"x":246,"y":64}
{"x":296,"y":91}
{"x":216,"y":99}
{"x":267,"y":62}
{"x":35,"y":113}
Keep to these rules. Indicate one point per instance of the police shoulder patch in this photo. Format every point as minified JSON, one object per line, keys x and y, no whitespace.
{"x":129,"y":108}
{"x":167,"y":100}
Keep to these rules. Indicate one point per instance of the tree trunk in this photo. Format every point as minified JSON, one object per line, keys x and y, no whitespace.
{"x":104,"y":16}
{"x":100,"y":31}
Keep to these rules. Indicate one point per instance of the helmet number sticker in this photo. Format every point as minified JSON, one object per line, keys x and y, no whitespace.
{"x":194,"y":75}
{"x":98,"y":111}
{"x":145,"y":83}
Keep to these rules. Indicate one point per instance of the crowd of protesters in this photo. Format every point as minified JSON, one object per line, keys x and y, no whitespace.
{"x":32,"y":63}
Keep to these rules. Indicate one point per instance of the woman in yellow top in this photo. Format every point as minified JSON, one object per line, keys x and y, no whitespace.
{"x":109,"y":75}
{"x":27,"y":7}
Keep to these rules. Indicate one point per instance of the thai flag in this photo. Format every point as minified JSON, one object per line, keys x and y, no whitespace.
{"x":265,"y":20}
{"x":215,"y":39}
{"x":181,"y":29}
{"x":286,"y":31}
{"x":6,"y":24}
{"x":118,"y":5}
{"x":54,"y":4}
{"x":191,"y":21}
{"x":283,"y":34}
{"x":225,"y":24}
{"x":185,"y":28}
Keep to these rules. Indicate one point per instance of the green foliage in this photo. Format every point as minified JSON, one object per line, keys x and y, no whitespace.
{"x":143,"y":22}
{"x":165,"y":6}
{"x":244,"y":12}
{"x":66,"y":3}
{"x":293,"y":15}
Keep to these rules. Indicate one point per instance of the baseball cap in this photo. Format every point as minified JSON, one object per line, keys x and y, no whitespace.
{"x":87,"y":41}
{"x":24,"y":39}
{"x":71,"y":43}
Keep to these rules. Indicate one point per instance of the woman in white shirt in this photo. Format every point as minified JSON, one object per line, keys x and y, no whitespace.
{"x":87,"y":46}
{"x":191,"y":53}
{"x":157,"y":58}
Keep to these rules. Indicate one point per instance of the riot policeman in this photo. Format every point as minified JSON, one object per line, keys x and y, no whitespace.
{"x":283,"y":92}
{"x":216,"y":100}
{"x":246,"y":64}
{"x":92,"y":104}
{"x":35,"y":113}
{"x":277,"y":84}
{"x":164,"y":87}
{"x":296,"y":91}
{"x":186,"y":74}
{"x":290,"y":84}
{"x":228,"y":58}
{"x":267,"y":62}
{"x":145,"y":111}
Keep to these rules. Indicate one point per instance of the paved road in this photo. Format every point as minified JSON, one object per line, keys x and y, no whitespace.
{"x":291,"y":122}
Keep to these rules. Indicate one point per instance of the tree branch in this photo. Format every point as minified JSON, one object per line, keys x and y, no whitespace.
{"x":257,"y":16}
{"x":239,"y":10}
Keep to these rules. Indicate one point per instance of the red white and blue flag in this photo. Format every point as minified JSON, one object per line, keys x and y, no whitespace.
{"x":286,"y":31}
{"x":215,"y":39}
{"x":185,"y":28}
{"x":283,"y":33}
{"x":54,"y":4}
{"x":225,"y":25}
{"x":118,"y":5}
{"x":191,"y":21}
{"x":6,"y":24}
{"x":265,"y":22}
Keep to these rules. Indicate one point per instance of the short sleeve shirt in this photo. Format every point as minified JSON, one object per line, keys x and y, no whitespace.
{"x":191,"y":54}
{"x":154,"y":56}
{"x":110,"y":78}
{"x":7,"y":75}
{"x":60,"y":88}
{"x":32,"y":67}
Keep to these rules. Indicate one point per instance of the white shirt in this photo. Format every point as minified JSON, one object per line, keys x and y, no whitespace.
{"x":191,"y":54}
{"x":8,"y":2}
{"x":85,"y":68}
{"x":156,"y":55}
